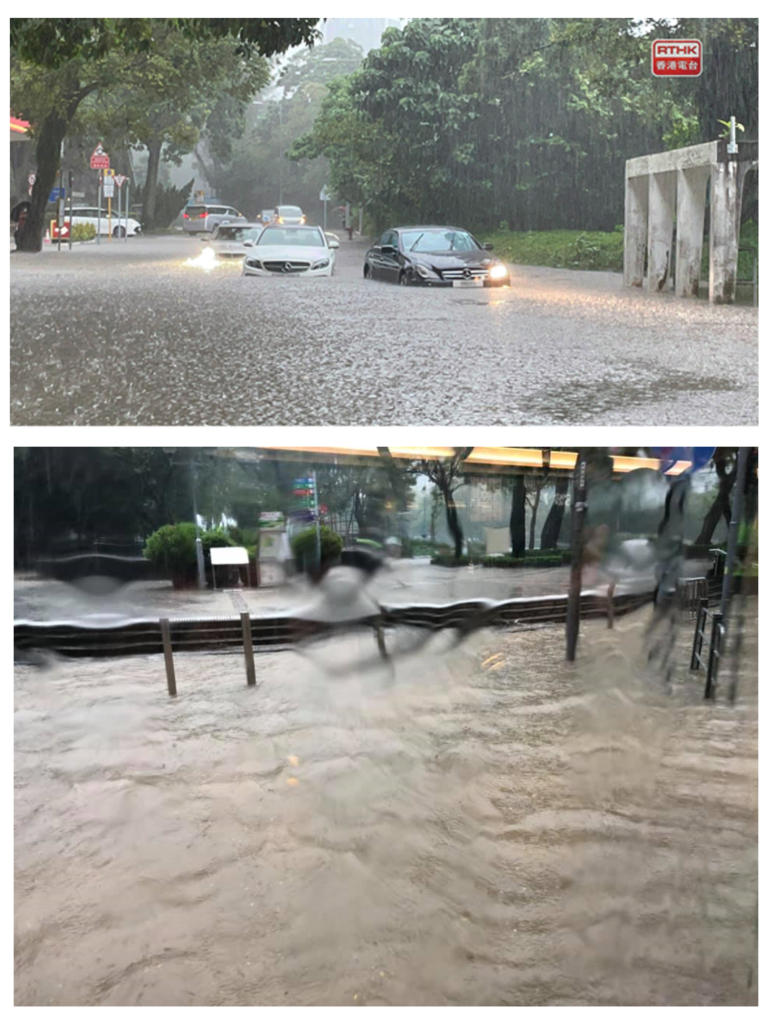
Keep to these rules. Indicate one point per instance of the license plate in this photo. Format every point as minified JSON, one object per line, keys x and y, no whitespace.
{"x":471,"y":282}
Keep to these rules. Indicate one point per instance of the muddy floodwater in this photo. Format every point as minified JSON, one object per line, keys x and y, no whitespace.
{"x":481,"y":825}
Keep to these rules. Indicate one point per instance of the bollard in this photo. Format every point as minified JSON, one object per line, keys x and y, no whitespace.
{"x":380,"y":637}
{"x":166,"y":637}
{"x":610,"y":605}
{"x":249,"y":656}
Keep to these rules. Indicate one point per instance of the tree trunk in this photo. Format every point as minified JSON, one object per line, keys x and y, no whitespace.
{"x":454,"y":524}
{"x":151,"y":183}
{"x":517,"y":517}
{"x":48,"y":151}
{"x":550,"y":532}
{"x":532,"y":532}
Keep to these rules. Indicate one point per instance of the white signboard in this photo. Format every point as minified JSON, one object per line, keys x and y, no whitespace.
{"x":229,"y":556}
{"x":108,"y":186}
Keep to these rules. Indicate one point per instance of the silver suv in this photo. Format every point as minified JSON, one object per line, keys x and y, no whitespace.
{"x":206,"y":217}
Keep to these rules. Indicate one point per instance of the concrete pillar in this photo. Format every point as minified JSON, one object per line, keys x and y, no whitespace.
{"x":636,"y":228}
{"x":690,"y":223}
{"x":662,"y":191}
{"x":724,"y":231}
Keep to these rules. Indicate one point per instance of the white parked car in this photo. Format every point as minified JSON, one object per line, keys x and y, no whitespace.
{"x":90,"y":216}
{"x":297,"y":250}
{"x":231,"y":241}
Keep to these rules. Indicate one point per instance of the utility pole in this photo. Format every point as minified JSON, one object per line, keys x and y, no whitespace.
{"x":577,"y":538}
{"x":199,"y":546}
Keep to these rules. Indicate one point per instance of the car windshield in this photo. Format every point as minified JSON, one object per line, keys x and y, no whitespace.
{"x":441,"y":240}
{"x":290,"y":212}
{"x":290,"y":237}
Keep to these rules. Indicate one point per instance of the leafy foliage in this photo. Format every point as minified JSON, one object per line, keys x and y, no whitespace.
{"x":83,"y":232}
{"x":172,"y":549}
{"x":475,"y":121}
{"x":304,"y":548}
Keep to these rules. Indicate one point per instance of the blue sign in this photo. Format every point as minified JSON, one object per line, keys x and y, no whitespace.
{"x":56,"y":194}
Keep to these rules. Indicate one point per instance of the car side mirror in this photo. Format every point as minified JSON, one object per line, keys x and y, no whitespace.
{"x":333,"y":244}
{"x":248,"y":244}
{"x":205,"y":238}
{"x":388,"y":249}
{"x":488,"y":246}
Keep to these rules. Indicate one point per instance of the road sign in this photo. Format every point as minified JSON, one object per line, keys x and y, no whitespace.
{"x":78,"y":194}
{"x":324,"y":195}
{"x":108,"y":186}
{"x":57,"y":193}
{"x":120,"y":180}
{"x":99,"y":158}
{"x":60,"y":231}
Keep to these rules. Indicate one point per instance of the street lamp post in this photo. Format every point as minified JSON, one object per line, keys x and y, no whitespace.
{"x":200,"y":571}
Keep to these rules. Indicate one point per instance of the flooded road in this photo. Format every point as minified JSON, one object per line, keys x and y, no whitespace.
{"x":485,"y":826}
{"x":131,"y":334}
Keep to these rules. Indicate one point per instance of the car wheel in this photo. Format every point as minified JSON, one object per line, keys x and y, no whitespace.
{"x":403,"y":280}
{"x":119,"y":231}
{"x":368,"y":273}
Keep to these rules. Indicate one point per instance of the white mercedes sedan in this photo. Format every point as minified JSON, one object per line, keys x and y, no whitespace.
{"x":291,"y":250}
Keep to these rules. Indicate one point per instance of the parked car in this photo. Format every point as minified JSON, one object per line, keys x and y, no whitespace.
{"x":229,"y":241}
{"x":206,"y":217}
{"x":298,"y":250}
{"x":105,"y":225}
{"x":434,"y":256}
{"x":287,"y":214}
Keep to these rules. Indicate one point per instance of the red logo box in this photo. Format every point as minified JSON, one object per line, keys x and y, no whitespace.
{"x":676,"y":57}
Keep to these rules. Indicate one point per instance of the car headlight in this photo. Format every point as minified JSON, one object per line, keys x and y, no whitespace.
{"x":423,"y":271}
{"x":253,"y":263}
{"x":498,"y":271}
{"x":321,"y":264}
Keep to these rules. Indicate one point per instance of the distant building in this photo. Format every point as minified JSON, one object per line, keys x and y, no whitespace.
{"x":365,"y":31}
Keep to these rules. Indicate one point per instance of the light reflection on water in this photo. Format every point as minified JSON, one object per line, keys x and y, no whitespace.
{"x":465,"y":832}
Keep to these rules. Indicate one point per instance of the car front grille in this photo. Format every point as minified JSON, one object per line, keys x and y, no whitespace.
{"x":464,"y":273}
{"x":286,"y":266}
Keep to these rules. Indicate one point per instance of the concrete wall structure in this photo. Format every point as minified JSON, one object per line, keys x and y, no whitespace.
{"x":674,"y":184}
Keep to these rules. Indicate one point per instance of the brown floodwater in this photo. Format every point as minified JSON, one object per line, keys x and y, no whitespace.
{"x":486,"y":825}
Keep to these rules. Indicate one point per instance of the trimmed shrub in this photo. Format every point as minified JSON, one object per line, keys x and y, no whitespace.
{"x":83,"y":232}
{"x":304,"y":548}
{"x":172,"y":550}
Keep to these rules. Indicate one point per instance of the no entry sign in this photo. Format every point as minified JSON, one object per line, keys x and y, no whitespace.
{"x":676,"y":57}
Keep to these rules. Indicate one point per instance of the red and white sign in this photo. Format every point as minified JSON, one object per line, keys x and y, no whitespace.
{"x":120,"y":180}
{"x":57,"y":230}
{"x":99,"y":157}
{"x":676,"y":57}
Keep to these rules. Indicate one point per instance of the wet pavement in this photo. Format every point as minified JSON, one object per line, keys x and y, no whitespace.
{"x":404,"y":582}
{"x":131,"y":334}
{"x":487,"y":826}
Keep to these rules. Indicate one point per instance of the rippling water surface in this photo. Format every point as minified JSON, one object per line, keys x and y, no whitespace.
{"x":481,"y":826}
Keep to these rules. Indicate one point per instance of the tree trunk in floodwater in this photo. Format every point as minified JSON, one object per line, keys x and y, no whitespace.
{"x":517,"y":517}
{"x":454,"y":524}
{"x":48,"y":151}
{"x":550,"y":532}
{"x":151,"y":183}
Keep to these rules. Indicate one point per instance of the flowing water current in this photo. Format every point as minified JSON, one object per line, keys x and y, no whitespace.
{"x":482,"y":825}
